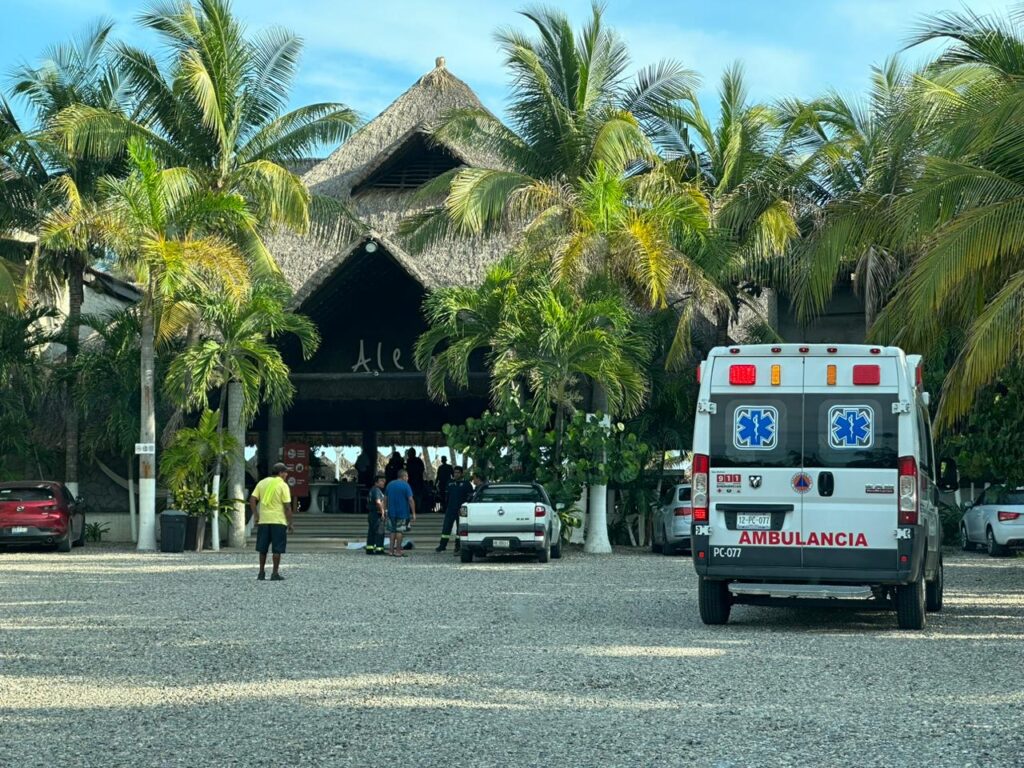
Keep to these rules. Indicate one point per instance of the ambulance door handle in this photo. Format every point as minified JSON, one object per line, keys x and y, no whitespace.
{"x":826,"y":483}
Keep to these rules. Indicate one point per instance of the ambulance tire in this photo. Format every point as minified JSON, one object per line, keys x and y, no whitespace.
{"x":714,"y":600}
{"x":933,"y":591}
{"x":910,"y":605}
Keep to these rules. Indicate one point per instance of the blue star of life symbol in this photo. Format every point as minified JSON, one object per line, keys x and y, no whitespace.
{"x":756,"y":428}
{"x":850,"y":426}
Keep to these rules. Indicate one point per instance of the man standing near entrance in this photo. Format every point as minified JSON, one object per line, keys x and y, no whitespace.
{"x":376,"y":511}
{"x":401,"y":506}
{"x":444,"y":476}
{"x":272,"y":518}
{"x":458,"y":493}
{"x":417,"y":469}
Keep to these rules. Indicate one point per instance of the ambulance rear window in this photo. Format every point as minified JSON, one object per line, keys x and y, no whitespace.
{"x":853,"y":431}
{"x":757,"y":430}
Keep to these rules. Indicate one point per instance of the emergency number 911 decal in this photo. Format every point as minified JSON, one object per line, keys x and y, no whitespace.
{"x":755,"y":428}
{"x":851,"y":427}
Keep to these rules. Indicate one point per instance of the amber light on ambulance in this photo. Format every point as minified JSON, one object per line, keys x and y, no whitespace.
{"x":699,"y":480}
{"x":908,"y":490}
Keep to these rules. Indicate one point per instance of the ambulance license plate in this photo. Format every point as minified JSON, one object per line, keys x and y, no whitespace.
{"x":500,"y":543}
{"x":747,"y":522}
{"x":19,"y":529}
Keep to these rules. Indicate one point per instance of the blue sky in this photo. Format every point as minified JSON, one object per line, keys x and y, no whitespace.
{"x":366,"y":53}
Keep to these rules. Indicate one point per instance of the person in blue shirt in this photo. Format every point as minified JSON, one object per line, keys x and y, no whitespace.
{"x":401,"y":508}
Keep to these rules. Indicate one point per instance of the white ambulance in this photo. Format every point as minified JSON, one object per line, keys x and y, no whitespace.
{"x":814,"y":480}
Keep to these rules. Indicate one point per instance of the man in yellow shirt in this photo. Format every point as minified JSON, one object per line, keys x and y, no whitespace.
{"x":273,"y":518}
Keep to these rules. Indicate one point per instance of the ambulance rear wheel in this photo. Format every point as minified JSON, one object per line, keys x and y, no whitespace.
{"x":933,"y":591}
{"x":910,"y":605}
{"x":714,"y":601}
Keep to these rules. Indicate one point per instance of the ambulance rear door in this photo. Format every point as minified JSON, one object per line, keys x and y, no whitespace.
{"x":851,"y":453}
{"x":755,"y":462}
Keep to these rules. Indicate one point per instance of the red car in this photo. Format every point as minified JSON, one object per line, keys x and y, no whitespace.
{"x":40,"y":512}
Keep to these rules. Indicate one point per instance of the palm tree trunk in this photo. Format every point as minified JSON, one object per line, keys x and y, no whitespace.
{"x":217,"y":468}
{"x":597,"y":515}
{"x":76,"y":297}
{"x":236,"y":469}
{"x":147,"y":435}
{"x":132,"y":522}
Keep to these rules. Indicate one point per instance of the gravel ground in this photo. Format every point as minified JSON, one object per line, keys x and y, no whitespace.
{"x":109,"y":658}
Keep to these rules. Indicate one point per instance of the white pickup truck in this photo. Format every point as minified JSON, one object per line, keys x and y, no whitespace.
{"x":510,"y":517}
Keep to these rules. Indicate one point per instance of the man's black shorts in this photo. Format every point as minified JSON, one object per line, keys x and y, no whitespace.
{"x":271,"y":534}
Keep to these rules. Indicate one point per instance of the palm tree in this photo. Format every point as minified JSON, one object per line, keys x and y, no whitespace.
{"x":237,"y":358}
{"x":78,"y":73}
{"x":161,"y":226}
{"x":218,"y":109}
{"x":869,"y":155}
{"x":966,"y":209}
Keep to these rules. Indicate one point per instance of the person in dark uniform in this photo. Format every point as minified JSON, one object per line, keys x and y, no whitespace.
{"x":458,"y":493}
{"x":394,"y":466}
{"x":375,"y":512}
{"x":417,"y":476}
{"x":444,"y":476}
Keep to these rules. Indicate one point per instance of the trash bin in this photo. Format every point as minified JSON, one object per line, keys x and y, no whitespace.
{"x":172,"y":530}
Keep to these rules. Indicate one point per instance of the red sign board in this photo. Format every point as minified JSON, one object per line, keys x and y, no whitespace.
{"x":296,"y":457}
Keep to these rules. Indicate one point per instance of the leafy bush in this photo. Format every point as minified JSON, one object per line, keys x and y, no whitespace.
{"x":95,"y":531}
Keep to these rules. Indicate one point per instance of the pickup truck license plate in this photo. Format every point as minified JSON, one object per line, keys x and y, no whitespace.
{"x":500,"y":543}
{"x":19,"y":529}
{"x":748,"y":522}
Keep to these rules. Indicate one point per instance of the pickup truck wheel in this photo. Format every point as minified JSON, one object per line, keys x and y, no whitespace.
{"x":910,"y":605}
{"x":544,"y":553}
{"x":995,"y":549}
{"x":466,"y":555}
{"x":556,"y":550}
{"x":965,"y":542}
{"x":714,"y":600}
{"x":933,"y":590}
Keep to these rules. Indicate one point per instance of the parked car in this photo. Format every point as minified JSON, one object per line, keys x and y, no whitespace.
{"x":44,"y":513}
{"x":510,"y":517}
{"x":672,"y":519}
{"x":995,"y":521}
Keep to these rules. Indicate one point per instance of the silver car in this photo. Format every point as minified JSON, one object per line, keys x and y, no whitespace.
{"x":995,"y":521}
{"x":672,"y":520}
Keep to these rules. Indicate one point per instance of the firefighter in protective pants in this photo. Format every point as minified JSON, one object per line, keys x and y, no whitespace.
{"x":459,"y":491}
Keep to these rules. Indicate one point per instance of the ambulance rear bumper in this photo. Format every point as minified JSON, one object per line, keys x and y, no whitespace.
{"x":901,"y":564}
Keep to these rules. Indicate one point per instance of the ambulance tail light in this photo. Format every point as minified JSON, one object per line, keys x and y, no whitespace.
{"x":743,"y":375}
{"x":463,"y":511}
{"x":908,"y":490}
{"x":699,"y":481}
{"x":1005,"y":517}
{"x":867,"y":375}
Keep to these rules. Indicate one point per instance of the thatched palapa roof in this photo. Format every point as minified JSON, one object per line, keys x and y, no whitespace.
{"x":307,"y":263}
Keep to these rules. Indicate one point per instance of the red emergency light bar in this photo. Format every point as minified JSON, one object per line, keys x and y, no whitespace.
{"x":743,"y":375}
{"x":867,"y":375}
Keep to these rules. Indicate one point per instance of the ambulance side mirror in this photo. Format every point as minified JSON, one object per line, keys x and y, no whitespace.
{"x":949,"y":477}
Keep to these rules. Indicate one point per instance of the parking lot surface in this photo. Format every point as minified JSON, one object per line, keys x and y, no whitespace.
{"x":110,"y":658}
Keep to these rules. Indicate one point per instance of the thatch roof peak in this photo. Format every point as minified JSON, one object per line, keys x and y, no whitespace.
{"x":306,"y":264}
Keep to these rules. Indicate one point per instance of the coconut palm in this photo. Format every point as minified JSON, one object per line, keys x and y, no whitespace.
{"x":72,"y":74}
{"x":162,"y":226}
{"x":966,"y":210}
{"x":573,"y":107}
{"x":237,"y":357}
{"x":869,"y":155}
{"x":218,"y":108}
